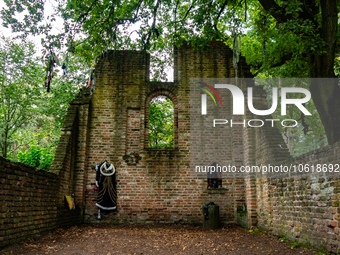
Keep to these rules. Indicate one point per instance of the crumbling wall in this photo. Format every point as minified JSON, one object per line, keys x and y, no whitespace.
{"x":158,"y":188}
{"x":305,"y":208}
{"x":302,"y":206}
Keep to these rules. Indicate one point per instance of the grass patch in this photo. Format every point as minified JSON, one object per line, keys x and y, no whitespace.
{"x":323,"y":251}
{"x":294,"y":244}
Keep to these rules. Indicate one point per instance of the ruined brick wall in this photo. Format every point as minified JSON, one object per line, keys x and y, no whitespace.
{"x":305,"y":208}
{"x":31,"y":199}
{"x":29,"y":203}
{"x":158,"y":189}
{"x":71,"y":152}
{"x":111,"y":121}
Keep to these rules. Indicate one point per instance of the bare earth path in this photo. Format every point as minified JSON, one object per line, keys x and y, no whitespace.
{"x":111,"y":239}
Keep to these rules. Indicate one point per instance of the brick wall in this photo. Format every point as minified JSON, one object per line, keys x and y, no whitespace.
{"x":29,"y":203}
{"x":159,"y":189}
{"x":113,"y":122}
{"x":304,"y":208}
{"x":31,"y":199}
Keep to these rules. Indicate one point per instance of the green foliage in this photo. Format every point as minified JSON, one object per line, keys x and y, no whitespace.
{"x":37,"y":156}
{"x":32,"y":13}
{"x":300,"y":143}
{"x":254,"y":231}
{"x":39,"y":152}
{"x":286,"y":51}
{"x":20,"y":79}
{"x":92,"y":27}
{"x":279,"y":39}
{"x":323,"y":251}
{"x":26,"y":109}
{"x":161,"y":123}
{"x":290,"y":29}
{"x":53,"y":105}
{"x":284,"y":239}
{"x":296,"y":244}
{"x":280,"y":49}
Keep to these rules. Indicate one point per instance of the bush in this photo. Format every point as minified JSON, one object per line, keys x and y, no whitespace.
{"x":37,"y":156}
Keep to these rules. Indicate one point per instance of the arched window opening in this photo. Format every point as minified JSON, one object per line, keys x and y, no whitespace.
{"x":161,"y":123}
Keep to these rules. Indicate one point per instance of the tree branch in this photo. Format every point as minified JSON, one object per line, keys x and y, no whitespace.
{"x":310,"y":9}
{"x":152,"y":28}
{"x":186,"y":14}
{"x":219,"y":14}
{"x":175,"y":14}
{"x":275,"y":10}
{"x":81,"y":16}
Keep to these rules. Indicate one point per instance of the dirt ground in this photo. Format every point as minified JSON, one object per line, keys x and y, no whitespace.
{"x":117,"y":239}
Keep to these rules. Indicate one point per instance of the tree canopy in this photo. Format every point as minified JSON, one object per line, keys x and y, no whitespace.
{"x":31,"y":118}
{"x":19,"y":89}
{"x":279,"y":38}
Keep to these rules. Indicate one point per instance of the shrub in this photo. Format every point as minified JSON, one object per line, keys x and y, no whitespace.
{"x":37,"y":156}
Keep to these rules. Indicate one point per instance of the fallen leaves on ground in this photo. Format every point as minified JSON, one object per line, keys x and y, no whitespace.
{"x":108,"y":239}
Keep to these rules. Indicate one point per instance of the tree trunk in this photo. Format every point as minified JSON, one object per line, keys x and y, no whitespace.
{"x":326,"y":97}
{"x":326,"y":92}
